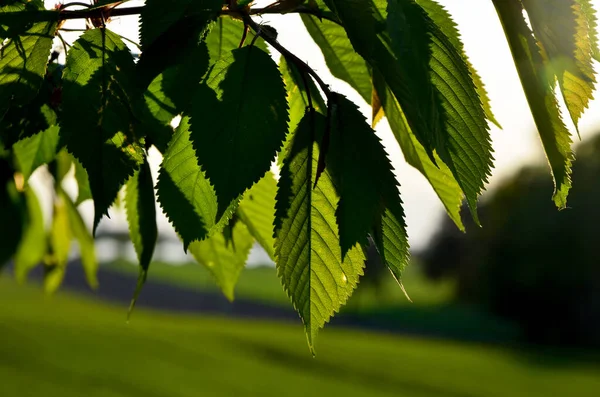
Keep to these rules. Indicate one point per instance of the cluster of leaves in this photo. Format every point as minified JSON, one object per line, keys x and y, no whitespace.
{"x":239,"y":111}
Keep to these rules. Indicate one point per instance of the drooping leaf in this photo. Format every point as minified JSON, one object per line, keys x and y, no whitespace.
{"x":225,"y":257}
{"x":377,"y":112}
{"x":60,"y":246}
{"x":341,"y":59}
{"x":540,"y":95}
{"x":589,"y":13}
{"x":440,"y":16}
{"x":141,"y":216}
{"x":438,"y":174}
{"x":563,"y":34}
{"x":235,"y":147}
{"x":36,"y":150}
{"x":430,"y":80}
{"x":364,"y":179}
{"x":185,"y":194}
{"x":101,"y":131}
{"x":307,"y":247}
{"x":24,"y":56}
{"x":32,"y":248}
{"x":257,"y":211}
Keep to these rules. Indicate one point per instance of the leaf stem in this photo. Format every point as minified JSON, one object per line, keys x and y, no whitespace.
{"x":300,"y":64}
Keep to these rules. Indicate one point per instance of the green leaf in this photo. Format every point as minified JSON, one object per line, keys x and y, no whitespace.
{"x":224,"y":37}
{"x":225,"y":257}
{"x":364,"y":179}
{"x":592,"y":20}
{"x":185,"y":194}
{"x":101,"y":131}
{"x":83,"y":183}
{"x":341,"y":59}
{"x":60,"y":242}
{"x":85,"y":240}
{"x":32,"y":247}
{"x":159,"y":20}
{"x":23,"y":57}
{"x":13,"y":213}
{"x":443,"y":20}
{"x":36,"y":150}
{"x":141,"y":216}
{"x":540,"y":95}
{"x":307,"y":247}
{"x":438,"y":174}
{"x":239,"y":121}
{"x":257,"y":211}
{"x":563,"y":36}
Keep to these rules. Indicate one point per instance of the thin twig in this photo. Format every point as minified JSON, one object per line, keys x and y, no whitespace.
{"x":300,"y":64}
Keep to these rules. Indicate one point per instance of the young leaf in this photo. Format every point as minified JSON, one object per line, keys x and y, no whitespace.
{"x":438,"y":174}
{"x":368,"y":190}
{"x":308,"y":257}
{"x":185,"y":194}
{"x":257,"y":211}
{"x":540,"y":95}
{"x":60,"y":243}
{"x":141,"y":216}
{"x":23,"y":57}
{"x":563,"y":33}
{"x":100,"y":131}
{"x":225,"y":257}
{"x":32,"y":247}
{"x":36,"y":150}
{"x":341,"y":59}
{"x":444,"y":22}
{"x":239,"y":121}
{"x":84,"y":238}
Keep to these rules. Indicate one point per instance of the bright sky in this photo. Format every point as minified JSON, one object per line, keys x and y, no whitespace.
{"x":517,"y":144}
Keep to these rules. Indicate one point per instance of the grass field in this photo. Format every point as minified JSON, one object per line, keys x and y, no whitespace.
{"x":261,"y":284}
{"x":71,"y":346}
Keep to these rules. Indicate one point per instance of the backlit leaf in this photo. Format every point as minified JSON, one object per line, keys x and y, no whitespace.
{"x":235,"y":147}
{"x":100,"y":131}
{"x":257,"y":211}
{"x":36,"y":150}
{"x":32,"y":247}
{"x":307,"y":247}
{"x":225,"y":257}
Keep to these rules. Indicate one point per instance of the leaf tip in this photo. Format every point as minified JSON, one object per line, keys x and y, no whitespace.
{"x":138,"y":289}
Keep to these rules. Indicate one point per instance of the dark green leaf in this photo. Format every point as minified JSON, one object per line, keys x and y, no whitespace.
{"x":13,"y":213}
{"x":101,"y":131}
{"x":184,"y":193}
{"x":364,"y":179}
{"x":257,"y":211}
{"x":307,"y":247}
{"x":225,"y":35}
{"x":225,"y":257}
{"x":239,"y":121}
{"x":540,"y":95}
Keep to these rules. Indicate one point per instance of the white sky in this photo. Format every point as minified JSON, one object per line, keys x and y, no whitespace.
{"x":517,"y":144}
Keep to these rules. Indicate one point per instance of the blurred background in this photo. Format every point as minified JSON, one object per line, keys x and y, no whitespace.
{"x":509,"y":309}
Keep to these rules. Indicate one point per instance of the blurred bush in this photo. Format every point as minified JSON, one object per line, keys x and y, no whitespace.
{"x":529,"y":262}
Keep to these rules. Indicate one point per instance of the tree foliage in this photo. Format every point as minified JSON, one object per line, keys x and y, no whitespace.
{"x":205,"y":65}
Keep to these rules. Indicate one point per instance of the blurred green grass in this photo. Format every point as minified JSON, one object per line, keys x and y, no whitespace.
{"x":261,"y":284}
{"x":69,"y":345}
